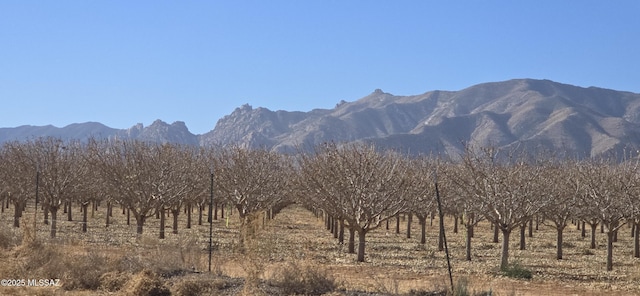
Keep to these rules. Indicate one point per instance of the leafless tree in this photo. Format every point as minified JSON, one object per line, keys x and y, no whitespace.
{"x":605,"y":185}
{"x":466,"y":190}
{"x":359,"y":184}
{"x":61,"y":169}
{"x":251,"y":180}
{"x":505,"y":189}
{"x":421,"y":196}
{"x":558,"y":182}
{"x":126,"y":166}
{"x":18,"y":172}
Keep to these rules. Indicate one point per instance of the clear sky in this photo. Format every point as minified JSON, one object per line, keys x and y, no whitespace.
{"x":127,"y":62}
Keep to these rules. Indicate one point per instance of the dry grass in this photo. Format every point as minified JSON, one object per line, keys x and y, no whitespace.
{"x":297,"y":241}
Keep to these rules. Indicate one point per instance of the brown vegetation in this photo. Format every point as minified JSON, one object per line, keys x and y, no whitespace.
{"x":264,"y":247}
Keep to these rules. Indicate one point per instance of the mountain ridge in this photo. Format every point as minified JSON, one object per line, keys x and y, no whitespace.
{"x":528,"y":113}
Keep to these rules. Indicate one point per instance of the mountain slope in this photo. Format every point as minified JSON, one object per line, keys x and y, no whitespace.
{"x":159,"y":131}
{"x":521,"y":113}
{"x":525,"y":113}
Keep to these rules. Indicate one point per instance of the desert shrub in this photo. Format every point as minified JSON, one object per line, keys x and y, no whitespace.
{"x":461,"y":288}
{"x":8,"y":238}
{"x":190,"y":288}
{"x":129,"y":263}
{"x":145,"y":283}
{"x":413,"y":292}
{"x":208,"y":286}
{"x":515,"y":270}
{"x":171,"y":261}
{"x":82,"y":271}
{"x":113,"y":281}
{"x":303,"y":280}
{"x":76,"y":268}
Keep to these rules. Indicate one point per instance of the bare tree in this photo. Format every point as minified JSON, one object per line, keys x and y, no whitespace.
{"x":358,"y":184}
{"x":251,"y":180}
{"x":61,"y":169}
{"x":605,"y":185}
{"x":18,"y":172}
{"x":127,"y":167}
{"x":560,"y":184}
{"x":506,"y":189}
{"x":466,"y":189}
{"x":421,"y":196}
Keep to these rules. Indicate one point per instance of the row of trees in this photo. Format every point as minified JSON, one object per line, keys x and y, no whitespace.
{"x":145,"y":179}
{"x":358,"y":187}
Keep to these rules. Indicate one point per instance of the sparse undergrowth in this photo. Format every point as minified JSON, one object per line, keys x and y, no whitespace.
{"x":91,"y":268}
{"x":517,"y":271}
{"x":303,"y":279}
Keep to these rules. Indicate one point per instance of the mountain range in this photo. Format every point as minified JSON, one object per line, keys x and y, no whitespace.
{"x":519,"y":113}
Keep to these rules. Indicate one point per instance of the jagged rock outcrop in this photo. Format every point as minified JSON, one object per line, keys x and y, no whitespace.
{"x":520,"y":113}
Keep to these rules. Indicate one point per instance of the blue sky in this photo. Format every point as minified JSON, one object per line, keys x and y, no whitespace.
{"x":124,"y":62}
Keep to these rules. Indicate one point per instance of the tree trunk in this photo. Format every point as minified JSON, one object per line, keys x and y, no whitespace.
{"x":361,"y":244}
{"x":189,"y":208}
{"x":46,"y":214}
{"x":209,"y":217}
{"x":495,"y":233}
{"x":504,"y":262}
{"x":531,"y":228}
{"x":423,"y":227}
{"x":468,"y":241}
{"x":327,"y":222}
{"x":336,"y":228}
{"x":160,"y":212}
{"x":69,"y":215}
{"x":175,"y":212}
{"x":455,"y":224}
{"x":593,"y":235}
{"x":409,"y":219}
{"x":610,"y":235}
{"x":352,"y":239}
{"x":215,"y":211}
{"x":54,"y":221}
{"x":523,"y":228}
{"x":441,"y":236}
{"x":636,"y":239}
{"x":108,"y":216}
{"x":139,"y":222}
{"x":341,"y":232}
{"x":559,"y":242}
{"x":583,"y":232}
{"x":85,"y":207}
{"x":16,"y":214}
{"x":199,"y":214}
{"x":397,"y":223}
{"x":128,"y":216}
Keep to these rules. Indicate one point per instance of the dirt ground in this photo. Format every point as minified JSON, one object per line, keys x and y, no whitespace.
{"x":394,"y":263}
